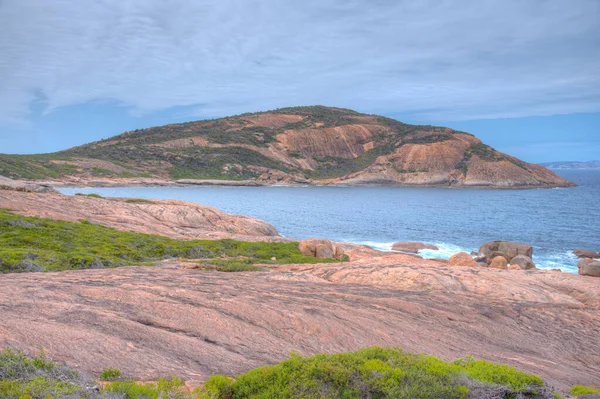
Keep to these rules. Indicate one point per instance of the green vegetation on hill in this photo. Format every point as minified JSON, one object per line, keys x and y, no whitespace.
{"x":368,"y":373}
{"x":233,"y":151}
{"x":30,"y":244}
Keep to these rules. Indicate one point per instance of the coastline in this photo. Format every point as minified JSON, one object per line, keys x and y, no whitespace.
{"x":152,"y":182}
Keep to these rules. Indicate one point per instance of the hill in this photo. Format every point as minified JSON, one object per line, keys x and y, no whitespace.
{"x":303,"y":145}
{"x":572,"y":165}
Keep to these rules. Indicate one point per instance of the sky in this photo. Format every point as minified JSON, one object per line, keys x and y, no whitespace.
{"x":524,"y":76}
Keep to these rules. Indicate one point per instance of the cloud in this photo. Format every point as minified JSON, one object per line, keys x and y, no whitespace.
{"x":437,"y":60}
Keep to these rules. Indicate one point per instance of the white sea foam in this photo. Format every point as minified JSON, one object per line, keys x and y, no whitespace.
{"x":565,"y":261}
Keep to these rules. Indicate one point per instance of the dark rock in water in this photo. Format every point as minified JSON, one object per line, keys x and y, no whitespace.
{"x":524,"y":262}
{"x":589,"y":267}
{"x":412,"y":247}
{"x":585,"y":253}
{"x":508,"y":249}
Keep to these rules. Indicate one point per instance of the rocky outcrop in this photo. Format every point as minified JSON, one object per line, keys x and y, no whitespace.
{"x":462,"y":259}
{"x":302,"y":145}
{"x":412,"y":247}
{"x":176,"y":219}
{"x":506,"y":249}
{"x":523,"y":262}
{"x":586,"y":253}
{"x":157,"y":321}
{"x":319,"y":248}
{"x":14,"y":185}
{"x":589,"y":267}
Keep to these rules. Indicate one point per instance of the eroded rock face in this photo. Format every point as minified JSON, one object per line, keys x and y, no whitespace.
{"x":507,"y":249}
{"x":462,"y":259}
{"x":589,"y":267}
{"x":499,"y":262}
{"x":586,"y":253}
{"x":524,"y":262}
{"x":176,"y":219}
{"x":412,"y":247}
{"x":320,"y":248}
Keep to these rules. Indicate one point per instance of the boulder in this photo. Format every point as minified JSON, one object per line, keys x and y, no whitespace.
{"x":499,"y":262}
{"x":514,"y":267}
{"x":585,"y":253}
{"x":324,"y":251}
{"x":462,"y":259}
{"x":589,"y":267}
{"x":412,"y":247}
{"x":320,"y":249}
{"x":508,"y":249}
{"x":524,"y":262}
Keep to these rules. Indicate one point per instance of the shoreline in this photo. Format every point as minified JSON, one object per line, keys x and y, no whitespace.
{"x":124,"y":183}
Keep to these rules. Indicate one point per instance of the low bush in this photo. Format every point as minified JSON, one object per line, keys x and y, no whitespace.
{"x":379,"y":373}
{"x":110,"y":374}
{"x":579,"y":390}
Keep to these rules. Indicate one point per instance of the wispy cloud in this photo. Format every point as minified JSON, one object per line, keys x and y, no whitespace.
{"x":438,"y":60}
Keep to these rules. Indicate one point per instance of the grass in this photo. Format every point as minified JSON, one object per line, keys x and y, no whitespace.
{"x":379,"y":373}
{"x":110,"y":374}
{"x":138,"y":201}
{"x":92,"y":195}
{"x":368,"y":373}
{"x":39,"y":244}
{"x":579,"y":390}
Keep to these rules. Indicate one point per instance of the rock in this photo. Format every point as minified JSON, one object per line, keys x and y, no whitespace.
{"x":339,"y":252}
{"x":324,"y":251}
{"x":9,"y":184}
{"x":462,"y":259}
{"x":175,"y":219}
{"x":480,"y":259}
{"x":514,"y":267}
{"x":585,"y":253}
{"x":589,"y":267}
{"x":412,"y":247}
{"x":508,"y":249}
{"x":499,"y":262}
{"x":320,"y":249}
{"x":524,"y":262}
{"x":489,"y":257}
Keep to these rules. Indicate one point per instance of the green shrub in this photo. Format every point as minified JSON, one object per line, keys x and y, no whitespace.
{"x":138,"y":201}
{"x":378,"y":373}
{"x":110,"y":374}
{"x":579,"y":390}
{"x":162,"y":389}
{"x":92,"y":195}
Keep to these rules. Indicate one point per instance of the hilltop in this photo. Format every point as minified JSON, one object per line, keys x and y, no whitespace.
{"x":300,"y":145}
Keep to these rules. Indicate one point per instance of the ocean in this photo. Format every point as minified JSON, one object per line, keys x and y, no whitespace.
{"x":555,"y":221}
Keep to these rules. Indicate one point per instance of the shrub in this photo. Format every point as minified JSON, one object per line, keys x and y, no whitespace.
{"x":110,"y":374}
{"x":378,"y":373}
{"x":579,"y":390}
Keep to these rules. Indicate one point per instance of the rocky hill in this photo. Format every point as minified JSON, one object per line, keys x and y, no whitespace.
{"x":302,"y":145}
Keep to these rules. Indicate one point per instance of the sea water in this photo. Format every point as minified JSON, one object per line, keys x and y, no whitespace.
{"x":555,"y":221}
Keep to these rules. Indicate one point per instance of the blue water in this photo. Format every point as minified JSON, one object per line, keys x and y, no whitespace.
{"x":554,"y":221}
